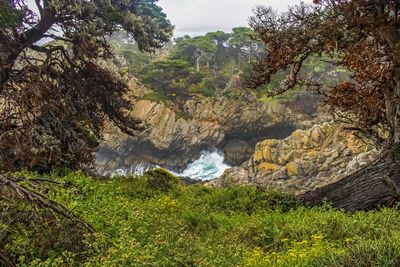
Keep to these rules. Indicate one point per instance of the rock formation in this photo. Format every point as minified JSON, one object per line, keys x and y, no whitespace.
{"x":305,"y":160}
{"x":174,"y":139}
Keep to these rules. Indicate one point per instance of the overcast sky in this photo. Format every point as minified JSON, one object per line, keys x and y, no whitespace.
{"x":196,"y":17}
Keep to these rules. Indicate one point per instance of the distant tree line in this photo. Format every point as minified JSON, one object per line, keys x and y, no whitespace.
{"x":201,"y":65}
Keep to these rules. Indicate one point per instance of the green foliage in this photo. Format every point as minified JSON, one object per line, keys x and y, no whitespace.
{"x":161,"y":179}
{"x":170,"y":78}
{"x":201,"y":66}
{"x":219,"y":38}
{"x":68,"y":82}
{"x":202,"y":90}
{"x":156,"y":220}
{"x":186,"y":47}
{"x":10,"y":17}
{"x":241,"y":36}
{"x":135,"y":59}
{"x":184,"y":115}
{"x":320,"y":68}
{"x":156,"y":97}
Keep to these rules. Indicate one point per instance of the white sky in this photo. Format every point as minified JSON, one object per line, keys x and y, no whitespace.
{"x":196,"y":17}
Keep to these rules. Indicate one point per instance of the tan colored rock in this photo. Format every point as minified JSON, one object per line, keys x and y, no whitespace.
{"x":266,"y":153}
{"x":305,"y":141}
{"x":281,"y":161}
{"x":258,"y":156}
{"x":335,"y":154}
{"x":307,"y":159}
{"x":316,"y":134}
{"x":298,"y":134}
{"x":214,"y":121}
{"x":311,"y":154}
{"x":266,"y":167}
{"x":292,"y":156}
{"x":292,"y":169}
{"x":270,"y":142}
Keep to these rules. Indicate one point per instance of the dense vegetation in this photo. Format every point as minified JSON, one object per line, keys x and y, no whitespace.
{"x":215,"y":64}
{"x":191,"y":66}
{"x":156,"y":220}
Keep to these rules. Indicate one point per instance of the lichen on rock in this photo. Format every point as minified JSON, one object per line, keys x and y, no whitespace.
{"x":303,"y":161}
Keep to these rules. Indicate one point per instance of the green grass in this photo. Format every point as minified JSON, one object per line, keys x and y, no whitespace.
{"x":154,"y":220}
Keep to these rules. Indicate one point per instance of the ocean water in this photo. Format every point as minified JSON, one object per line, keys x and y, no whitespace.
{"x":210,"y":165}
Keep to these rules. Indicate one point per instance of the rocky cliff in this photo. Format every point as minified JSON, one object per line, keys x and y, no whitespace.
{"x":305,"y":160}
{"x":174,"y":139}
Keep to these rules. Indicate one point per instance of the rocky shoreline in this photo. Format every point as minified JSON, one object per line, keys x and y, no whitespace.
{"x":233,"y":126}
{"x":269,"y":144}
{"x":305,"y":160}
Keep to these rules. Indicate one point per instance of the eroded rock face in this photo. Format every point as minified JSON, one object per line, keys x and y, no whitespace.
{"x":305,"y":160}
{"x":233,"y":126}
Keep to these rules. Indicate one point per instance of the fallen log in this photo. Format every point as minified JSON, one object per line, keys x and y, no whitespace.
{"x":365,"y":189}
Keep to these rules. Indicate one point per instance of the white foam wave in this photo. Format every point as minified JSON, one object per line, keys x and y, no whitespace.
{"x":210,"y":165}
{"x":139,"y":169}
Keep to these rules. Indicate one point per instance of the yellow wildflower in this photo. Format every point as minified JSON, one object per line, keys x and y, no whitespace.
{"x":317,"y":236}
{"x":302,"y":242}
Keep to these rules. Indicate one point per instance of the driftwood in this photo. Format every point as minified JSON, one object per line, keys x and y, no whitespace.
{"x":365,"y":189}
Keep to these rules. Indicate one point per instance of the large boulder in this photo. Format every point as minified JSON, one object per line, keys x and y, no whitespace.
{"x":305,"y":160}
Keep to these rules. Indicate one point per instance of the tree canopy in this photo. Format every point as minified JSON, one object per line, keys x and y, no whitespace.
{"x":171,"y":78}
{"x":55,"y":98}
{"x":363,"y":35}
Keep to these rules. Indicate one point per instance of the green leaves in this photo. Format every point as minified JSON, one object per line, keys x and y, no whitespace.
{"x":10,"y":17}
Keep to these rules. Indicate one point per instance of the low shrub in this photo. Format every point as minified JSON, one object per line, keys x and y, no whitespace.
{"x":156,"y":220}
{"x":161,"y":179}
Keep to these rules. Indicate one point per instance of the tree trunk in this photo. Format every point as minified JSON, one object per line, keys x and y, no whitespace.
{"x":198,"y":64}
{"x":7,"y":61}
{"x":392,"y":113}
{"x":365,"y":189}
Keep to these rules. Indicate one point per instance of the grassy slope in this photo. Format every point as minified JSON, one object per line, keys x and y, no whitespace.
{"x":157,"y":222}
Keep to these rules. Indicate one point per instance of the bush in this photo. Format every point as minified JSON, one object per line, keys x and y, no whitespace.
{"x":161,"y":179}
